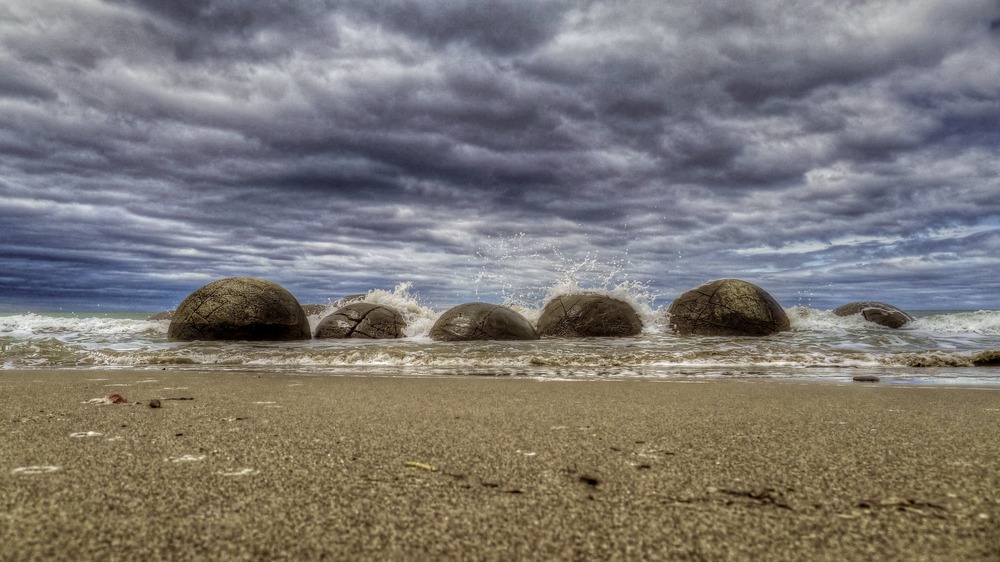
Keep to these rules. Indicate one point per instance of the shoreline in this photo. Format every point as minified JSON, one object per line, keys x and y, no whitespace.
{"x":259,"y":465}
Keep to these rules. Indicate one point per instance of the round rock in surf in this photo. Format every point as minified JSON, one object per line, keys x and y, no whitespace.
{"x":588,"y":315}
{"x":727,"y":307}
{"x":239,"y":308}
{"x":482,"y":321}
{"x":362,"y":320}
{"x":878,"y":312}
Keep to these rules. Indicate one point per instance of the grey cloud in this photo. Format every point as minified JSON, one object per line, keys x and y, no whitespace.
{"x":17,"y":85}
{"x":196,"y":30}
{"x":334,"y":147}
{"x":504,"y":28}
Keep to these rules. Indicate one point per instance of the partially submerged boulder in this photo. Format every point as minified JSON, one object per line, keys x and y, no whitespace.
{"x":362,"y":320}
{"x":482,"y":321}
{"x":165,"y":315}
{"x":239,"y":308}
{"x":588,"y":315}
{"x":878,"y":312}
{"x":727,"y":307}
{"x":323,"y":310}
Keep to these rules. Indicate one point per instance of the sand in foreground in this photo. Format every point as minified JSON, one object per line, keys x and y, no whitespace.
{"x":263,"y":466}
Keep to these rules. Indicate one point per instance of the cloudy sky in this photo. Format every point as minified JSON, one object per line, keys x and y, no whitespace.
{"x":827,"y":150}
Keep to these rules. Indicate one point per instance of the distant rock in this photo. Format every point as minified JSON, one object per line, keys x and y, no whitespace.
{"x":348,"y":299}
{"x":727,"y":307}
{"x":314,"y":309}
{"x":588,"y":315}
{"x":362,"y":320}
{"x":482,"y":321}
{"x":165,"y":315}
{"x":878,"y":312}
{"x":239,"y":308}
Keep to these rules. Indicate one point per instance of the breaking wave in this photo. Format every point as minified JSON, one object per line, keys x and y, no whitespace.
{"x":952,"y":346}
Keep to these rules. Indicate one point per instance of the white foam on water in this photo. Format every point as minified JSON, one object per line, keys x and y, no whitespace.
{"x":31,"y":324}
{"x":83,"y":434}
{"x":983,"y":322}
{"x":818,"y":338}
{"x":805,"y":319}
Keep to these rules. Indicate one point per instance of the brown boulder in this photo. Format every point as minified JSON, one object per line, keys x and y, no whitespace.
{"x":239,"y":308}
{"x":362,"y":320}
{"x":482,"y":321}
{"x":878,"y":312}
{"x":588,"y":315}
{"x":727,"y":307}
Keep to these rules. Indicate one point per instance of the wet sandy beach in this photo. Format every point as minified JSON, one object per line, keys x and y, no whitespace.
{"x":253,"y":466}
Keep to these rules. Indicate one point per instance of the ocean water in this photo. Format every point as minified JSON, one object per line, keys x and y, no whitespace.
{"x":938,"y":348}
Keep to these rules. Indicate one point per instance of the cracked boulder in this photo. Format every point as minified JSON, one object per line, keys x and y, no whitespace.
{"x":239,"y":308}
{"x":482,"y":321}
{"x":588,"y":315}
{"x":878,"y":312}
{"x":727,"y":307}
{"x":362,"y":320}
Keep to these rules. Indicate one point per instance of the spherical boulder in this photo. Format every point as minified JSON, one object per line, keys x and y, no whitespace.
{"x":239,"y":308}
{"x":878,"y":312}
{"x":362,"y":320}
{"x":727,"y":307}
{"x":588,"y":315}
{"x":482,"y":321}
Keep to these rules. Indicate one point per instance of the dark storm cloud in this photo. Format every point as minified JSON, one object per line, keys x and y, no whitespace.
{"x":503,"y":28}
{"x":839,"y":147}
{"x":16,"y":85}
{"x":200,"y":30}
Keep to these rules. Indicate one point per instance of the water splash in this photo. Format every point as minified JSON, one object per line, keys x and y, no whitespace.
{"x":805,"y":319}
{"x":503,"y":264}
{"x":419,"y":318}
{"x":502,"y":269}
{"x":585,"y":278}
